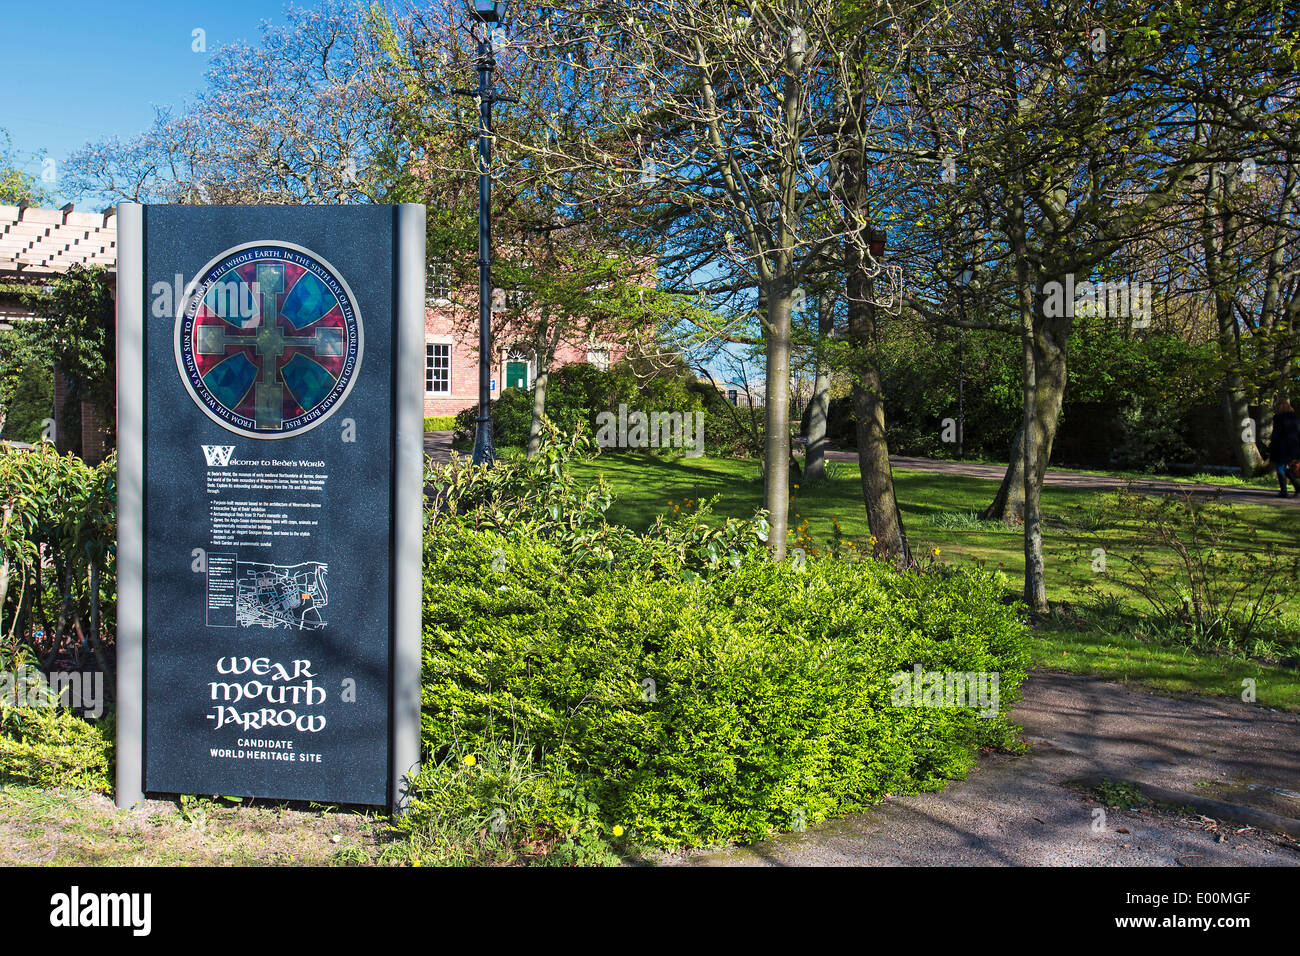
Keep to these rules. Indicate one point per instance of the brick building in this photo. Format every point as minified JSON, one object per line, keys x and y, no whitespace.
{"x":451,"y":346}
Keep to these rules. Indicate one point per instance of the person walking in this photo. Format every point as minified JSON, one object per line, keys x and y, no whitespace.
{"x":1284,"y":446}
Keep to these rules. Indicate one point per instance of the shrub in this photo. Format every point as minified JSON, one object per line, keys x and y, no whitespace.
{"x":696,"y":709}
{"x":541,"y":497}
{"x":487,"y":803}
{"x":26,"y":393}
{"x":54,"y":748}
{"x":681,"y":682}
{"x":511,"y":414}
{"x":58,"y":525}
{"x":577,"y":393}
{"x":1204,"y":575}
{"x":439,"y":423}
{"x":735,"y":432}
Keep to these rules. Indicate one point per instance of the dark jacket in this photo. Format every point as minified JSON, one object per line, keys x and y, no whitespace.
{"x":1284,"y":447}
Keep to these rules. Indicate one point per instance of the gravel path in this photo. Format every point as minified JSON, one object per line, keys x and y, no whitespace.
{"x":1083,"y":480}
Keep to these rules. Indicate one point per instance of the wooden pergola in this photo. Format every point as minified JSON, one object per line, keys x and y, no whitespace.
{"x":37,"y":244}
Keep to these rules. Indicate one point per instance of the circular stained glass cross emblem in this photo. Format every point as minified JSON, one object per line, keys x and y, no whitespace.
{"x":268,"y":340}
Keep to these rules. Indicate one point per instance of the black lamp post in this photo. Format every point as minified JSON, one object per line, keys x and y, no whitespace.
{"x":485,"y":12}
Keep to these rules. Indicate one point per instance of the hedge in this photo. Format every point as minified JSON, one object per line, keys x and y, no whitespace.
{"x":696,"y":709}
{"x":55,"y":748}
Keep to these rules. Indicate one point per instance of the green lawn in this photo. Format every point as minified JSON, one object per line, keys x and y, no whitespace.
{"x":939,"y":512}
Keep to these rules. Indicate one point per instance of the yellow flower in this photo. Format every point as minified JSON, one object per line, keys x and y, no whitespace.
{"x":470,"y":761}
{"x":871,"y":540}
{"x":618,"y":831}
{"x":935,"y":552}
{"x":415,"y":862}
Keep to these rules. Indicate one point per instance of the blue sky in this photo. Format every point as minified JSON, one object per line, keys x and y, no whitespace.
{"x":85,"y":70}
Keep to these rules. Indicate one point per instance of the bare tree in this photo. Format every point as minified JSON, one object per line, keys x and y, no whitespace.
{"x":295,"y":119}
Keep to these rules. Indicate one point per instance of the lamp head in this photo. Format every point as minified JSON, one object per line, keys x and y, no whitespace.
{"x":486,"y":11}
{"x":877,"y":244}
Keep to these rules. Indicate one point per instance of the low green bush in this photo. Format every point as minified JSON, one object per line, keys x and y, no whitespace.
{"x":488,"y":804}
{"x":55,"y":748}
{"x":700,"y":709}
{"x":691,"y":689}
{"x":439,"y":423}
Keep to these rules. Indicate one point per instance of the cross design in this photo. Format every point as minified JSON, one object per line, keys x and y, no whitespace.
{"x":269,"y":343}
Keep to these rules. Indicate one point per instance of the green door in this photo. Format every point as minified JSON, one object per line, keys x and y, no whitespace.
{"x":517,"y":375}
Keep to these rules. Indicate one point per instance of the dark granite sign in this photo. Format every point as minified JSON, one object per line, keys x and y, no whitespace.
{"x":272,"y":388}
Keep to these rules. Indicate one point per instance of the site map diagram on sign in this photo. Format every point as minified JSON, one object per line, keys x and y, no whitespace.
{"x":271,"y":595}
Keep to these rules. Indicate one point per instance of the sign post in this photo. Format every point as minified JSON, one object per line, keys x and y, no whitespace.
{"x":270,"y":475}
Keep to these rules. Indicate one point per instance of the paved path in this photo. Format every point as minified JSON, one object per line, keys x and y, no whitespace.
{"x":437,"y":445}
{"x":1084,"y":480}
{"x":1025,"y":811}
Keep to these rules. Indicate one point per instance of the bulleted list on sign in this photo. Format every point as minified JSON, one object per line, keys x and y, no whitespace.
{"x":222,"y":584}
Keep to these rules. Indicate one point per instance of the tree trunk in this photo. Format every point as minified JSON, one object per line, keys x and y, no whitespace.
{"x":1219,"y":225}
{"x":1273,"y":314}
{"x":1051,"y":373}
{"x":1033,"y":451}
{"x":1241,"y":428}
{"x":1286,"y":350}
{"x":1236,"y":403}
{"x":545,"y":360}
{"x":883,"y":515}
{"x":814,"y":469}
{"x":776,"y":451}
{"x":539,"y":409}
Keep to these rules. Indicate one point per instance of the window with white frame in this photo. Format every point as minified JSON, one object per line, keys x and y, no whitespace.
{"x":437,"y":286}
{"x":598,"y":357}
{"x":437,"y":368}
